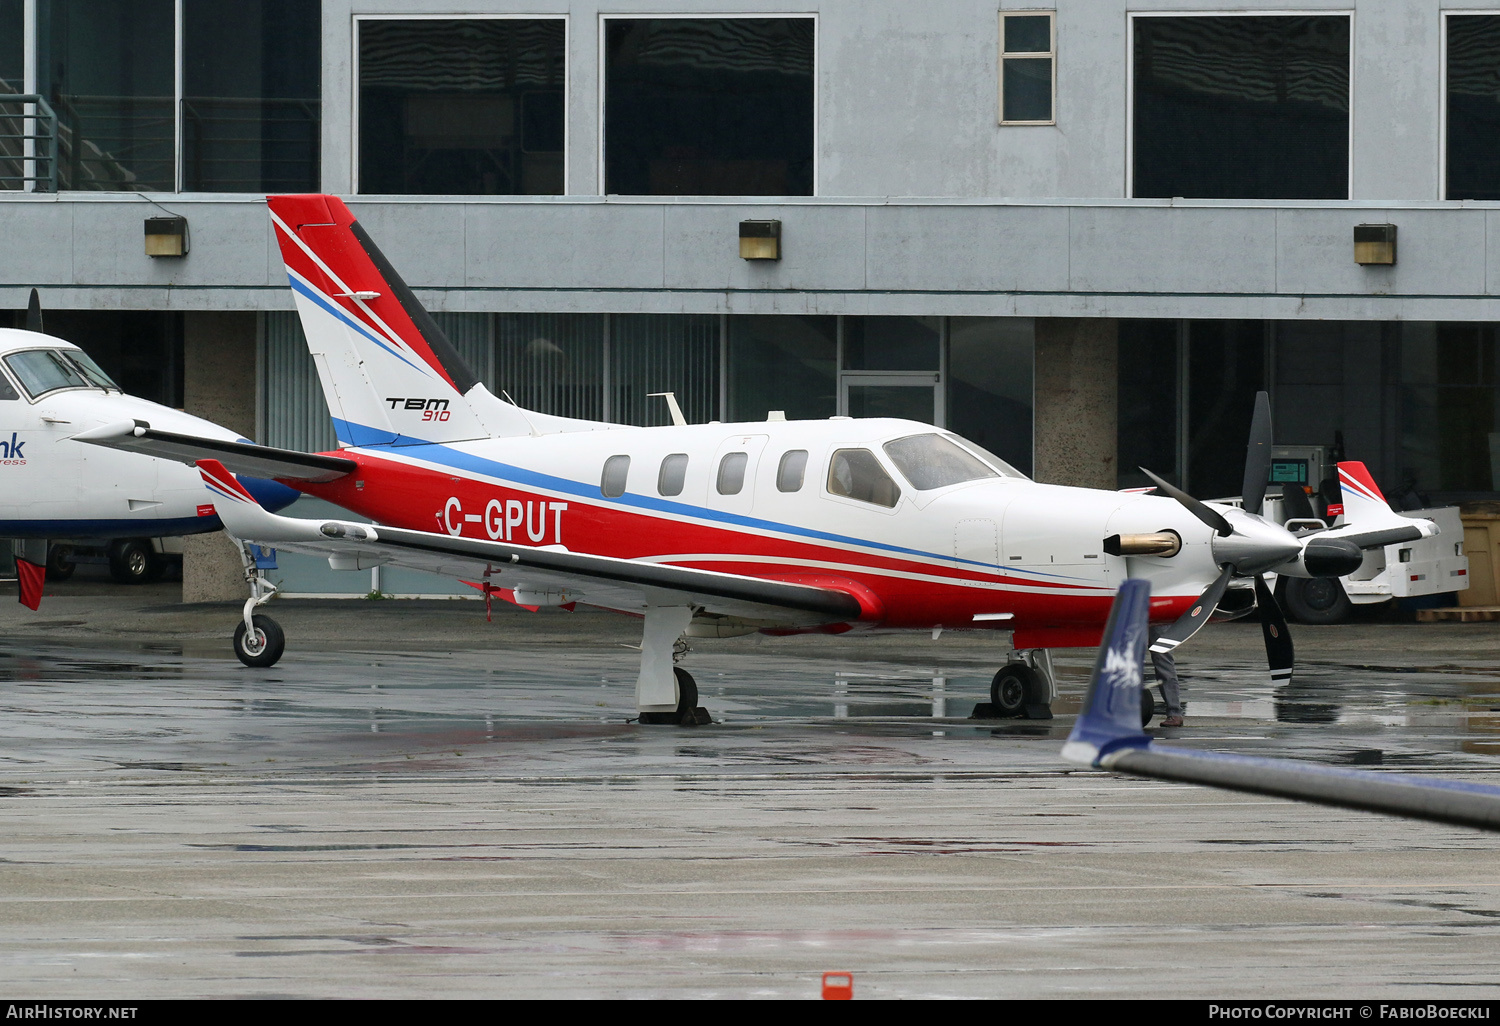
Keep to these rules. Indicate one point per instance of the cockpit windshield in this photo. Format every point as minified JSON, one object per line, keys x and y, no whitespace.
{"x":45,"y":370}
{"x":932,"y":461}
{"x":91,"y":370}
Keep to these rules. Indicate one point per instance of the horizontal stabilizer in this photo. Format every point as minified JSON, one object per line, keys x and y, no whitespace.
{"x":1108,"y":735}
{"x":238,"y":457}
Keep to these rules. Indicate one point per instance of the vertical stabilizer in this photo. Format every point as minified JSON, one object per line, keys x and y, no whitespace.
{"x":390,"y":375}
{"x":1111,"y":716}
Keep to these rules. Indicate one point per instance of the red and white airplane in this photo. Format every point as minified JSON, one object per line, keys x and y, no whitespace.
{"x":713,"y":530}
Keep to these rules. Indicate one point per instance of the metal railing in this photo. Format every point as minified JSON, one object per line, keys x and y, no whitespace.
{"x":28,"y":143}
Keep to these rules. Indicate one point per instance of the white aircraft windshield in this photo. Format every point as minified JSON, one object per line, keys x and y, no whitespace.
{"x":46,"y":370}
{"x":932,"y":461}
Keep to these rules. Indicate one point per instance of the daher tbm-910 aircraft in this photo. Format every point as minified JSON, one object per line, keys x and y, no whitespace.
{"x":712,"y":530}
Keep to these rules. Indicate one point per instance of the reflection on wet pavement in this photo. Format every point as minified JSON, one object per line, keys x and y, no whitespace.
{"x":488,"y":822}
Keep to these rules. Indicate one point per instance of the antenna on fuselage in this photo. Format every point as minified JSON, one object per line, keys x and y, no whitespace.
{"x":671,"y":397}
{"x":34,"y":312}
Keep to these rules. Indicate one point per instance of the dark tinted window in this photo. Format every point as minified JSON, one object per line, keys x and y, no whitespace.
{"x":673,"y":473}
{"x":612,"y":482}
{"x":108,"y":69}
{"x":791,"y":471}
{"x":859,"y":475}
{"x":732,"y":473}
{"x":251,"y":82}
{"x":470,"y":106}
{"x":7,"y":391}
{"x":708,"y":106}
{"x":785,"y":363}
{"x":1242,"y":107}
{"x":12,"y":14}
{"x":1474,"y":107}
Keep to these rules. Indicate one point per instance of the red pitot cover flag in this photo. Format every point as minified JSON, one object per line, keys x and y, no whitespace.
{"x":31,"y":577}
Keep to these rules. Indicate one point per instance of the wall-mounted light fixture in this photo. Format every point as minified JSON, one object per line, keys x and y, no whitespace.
{"x":1374,"y":244}
{"x":760,"y":240}
{"x":166,"y":236}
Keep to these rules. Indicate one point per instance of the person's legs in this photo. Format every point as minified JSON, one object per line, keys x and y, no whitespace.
{"x":1166,"y":680}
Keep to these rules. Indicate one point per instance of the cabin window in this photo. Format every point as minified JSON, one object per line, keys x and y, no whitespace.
{"x":673,"y":473}
{"x":793,"y":467}
{"x":612,"y":484}
{"x":732,"y":472}
{"x":857,"y":474}
{"x":931,"y":461}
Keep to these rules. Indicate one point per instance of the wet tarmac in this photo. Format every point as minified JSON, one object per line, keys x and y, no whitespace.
{"x":415,"y":803}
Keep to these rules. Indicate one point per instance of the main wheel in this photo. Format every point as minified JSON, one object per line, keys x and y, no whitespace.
{"x":133,"y":561}
{"x":687,"y":697}
{"x":1011,"y":689}
{"x":1319,"y":600}
{"x":59,"y":566}
{"x":265,"y":648}
{"x":1148,"y":707}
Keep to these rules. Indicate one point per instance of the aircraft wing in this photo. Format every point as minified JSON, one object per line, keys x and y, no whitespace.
{"x":1108,"y":735}
{"x":622,"y":584}
{"x":240,"y":457}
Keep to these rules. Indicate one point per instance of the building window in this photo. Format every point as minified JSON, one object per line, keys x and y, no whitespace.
{"x":787,"y":363}
{"x":107,"y":70}
{"x":251,"y":84}
{"x":676,"y":353}
{"x":1028,"y":68}
{"x":708,"y":107}
{"x":551,"y":363}
{"x":462,"y":106}
{"x":1473,"y":106}
{"x":1241,"y":107}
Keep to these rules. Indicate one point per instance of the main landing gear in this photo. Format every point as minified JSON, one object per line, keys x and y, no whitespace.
{"x":258,"y":639}
{"x":1022,"y":689}
{"x":666,"y":693}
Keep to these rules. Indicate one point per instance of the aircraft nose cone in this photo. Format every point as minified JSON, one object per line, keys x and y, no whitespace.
{"x":1331,"y":557}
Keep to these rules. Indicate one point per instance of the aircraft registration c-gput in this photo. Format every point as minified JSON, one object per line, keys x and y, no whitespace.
{"x":713,"y":530}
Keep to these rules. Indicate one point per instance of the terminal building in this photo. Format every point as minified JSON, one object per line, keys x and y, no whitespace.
{"x":1082,"y":235}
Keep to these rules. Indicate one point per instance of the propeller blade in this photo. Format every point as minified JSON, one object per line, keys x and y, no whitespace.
{"x":1279,"y":653}
{"x":1196,"y":508}
{"x":1188,"y":623}
{"x":34,"y":312}
{"x":1257,"y":456}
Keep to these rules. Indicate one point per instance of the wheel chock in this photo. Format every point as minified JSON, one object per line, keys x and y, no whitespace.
{"x":1038,"y":711}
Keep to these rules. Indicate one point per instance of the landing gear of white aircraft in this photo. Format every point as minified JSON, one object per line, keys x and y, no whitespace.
{"x":1022,"y":689}
{"x":666,"y":693}
{"x":258,"y":639}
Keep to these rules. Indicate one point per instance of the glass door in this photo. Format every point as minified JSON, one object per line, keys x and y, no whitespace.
{"x":892,"y":394}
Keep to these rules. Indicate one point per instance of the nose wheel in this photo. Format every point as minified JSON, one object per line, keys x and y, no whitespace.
{"x":1022,"y":689}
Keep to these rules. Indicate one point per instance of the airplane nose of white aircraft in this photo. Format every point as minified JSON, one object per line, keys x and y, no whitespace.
{"x":1256,"y":545}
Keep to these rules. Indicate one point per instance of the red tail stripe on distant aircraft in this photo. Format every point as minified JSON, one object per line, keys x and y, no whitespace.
{"x":222,"y":482}
{"x":1355,"y":477}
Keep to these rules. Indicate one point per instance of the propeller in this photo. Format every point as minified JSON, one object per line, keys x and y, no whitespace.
{"x":1244,"y":545}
